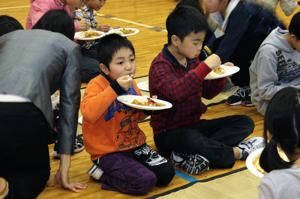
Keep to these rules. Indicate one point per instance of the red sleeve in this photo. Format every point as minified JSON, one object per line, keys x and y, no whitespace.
{"x":211,"y":88}
{"x":163,"y":77}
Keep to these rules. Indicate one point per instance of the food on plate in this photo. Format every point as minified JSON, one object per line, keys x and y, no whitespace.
{"x":89,"y":34}
{"x":126,"y":31}
{"x":149,"y":102}
{"x":219,"y":70}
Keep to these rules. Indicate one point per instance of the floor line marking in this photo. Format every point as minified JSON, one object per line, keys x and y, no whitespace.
{"x":15,"y":7}
{"x":128,"y":21}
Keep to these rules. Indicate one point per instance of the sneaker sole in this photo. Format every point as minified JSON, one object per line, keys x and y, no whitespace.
{"x":234,"y":104}
{"x":247,"y":105}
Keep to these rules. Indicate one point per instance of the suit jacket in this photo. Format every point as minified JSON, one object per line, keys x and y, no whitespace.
{"x":34,"y":64}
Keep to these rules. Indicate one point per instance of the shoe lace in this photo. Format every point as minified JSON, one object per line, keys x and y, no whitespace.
{"x":240,"y":93}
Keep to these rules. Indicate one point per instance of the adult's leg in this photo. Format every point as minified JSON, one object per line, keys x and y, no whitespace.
{"x":160,"y":166}
{"x":24,"y":149}
{"x":121,"y":172}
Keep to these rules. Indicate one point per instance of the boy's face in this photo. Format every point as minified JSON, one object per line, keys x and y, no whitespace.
{"x":95,"y":4}
{"x":122,"y":63}
{"x":191,"y":45}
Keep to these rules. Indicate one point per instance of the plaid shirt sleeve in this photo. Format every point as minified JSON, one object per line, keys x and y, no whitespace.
{"x":163,"y":77}
{"x":212,"y":88}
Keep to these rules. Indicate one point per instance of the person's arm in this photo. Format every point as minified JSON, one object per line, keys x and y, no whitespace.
{"x":97,"y":99}
{"x":266,"y":70}
{"x":177,"y":89}
{"x":69,"y":106}
{"x":62,"y":175}
{"x":237,"y":25}
{"x":211,"y":88}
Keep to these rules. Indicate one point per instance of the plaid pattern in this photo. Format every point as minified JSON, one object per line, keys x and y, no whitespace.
{"x":183,"y":87}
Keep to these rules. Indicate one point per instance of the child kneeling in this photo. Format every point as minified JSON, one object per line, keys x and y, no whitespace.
{"x":122,"y":160}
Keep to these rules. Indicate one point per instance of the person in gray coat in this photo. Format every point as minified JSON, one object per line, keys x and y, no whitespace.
{"x":33,"y":65}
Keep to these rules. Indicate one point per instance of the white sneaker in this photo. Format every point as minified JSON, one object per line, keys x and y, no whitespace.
{"x":250,"y":145}
{"x":95,"y":172}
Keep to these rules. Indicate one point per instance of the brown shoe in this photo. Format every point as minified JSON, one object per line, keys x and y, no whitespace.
{"x":3,"y":188}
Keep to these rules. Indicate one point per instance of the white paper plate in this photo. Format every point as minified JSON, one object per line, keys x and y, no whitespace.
{"x":81,"y":35}
{"x":144,"y":85}
{"x":228,"y":70}
{"x":127,"y":100}
{"x":134,"y":31}
{"x":251,"y":165}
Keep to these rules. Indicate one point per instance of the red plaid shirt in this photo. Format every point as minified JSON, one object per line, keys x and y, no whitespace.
{"x":183,"y":87}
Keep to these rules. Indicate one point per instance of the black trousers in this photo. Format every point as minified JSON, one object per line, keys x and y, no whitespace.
{"x":212,"y":139}
{"x":24,"y":154}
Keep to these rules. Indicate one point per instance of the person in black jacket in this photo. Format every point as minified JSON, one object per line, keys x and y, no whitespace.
{"x":238,"y":29}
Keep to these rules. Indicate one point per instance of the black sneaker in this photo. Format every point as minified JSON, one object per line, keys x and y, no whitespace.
{"x":242,"y":94}
{"x":250,"y":145}
{"x":78,"y":147}
{"x":192,"y":163}
{"x":148,"y":155}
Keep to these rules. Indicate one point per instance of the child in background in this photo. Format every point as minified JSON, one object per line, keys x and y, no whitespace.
{"x":176,"y":75}
{"x":87,"y":17}
{"x":39,"y":7}
{"x":122,"y":160}
{"x":239,"y":29}
{"x":276,"y":64}
{"x":282,"y":123}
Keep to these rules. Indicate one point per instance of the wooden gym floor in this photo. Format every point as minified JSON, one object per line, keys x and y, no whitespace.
{"x":149,"y":17}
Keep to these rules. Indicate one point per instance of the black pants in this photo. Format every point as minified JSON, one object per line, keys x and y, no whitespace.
{"x":212,"y":139}
{"x":24,"y":154}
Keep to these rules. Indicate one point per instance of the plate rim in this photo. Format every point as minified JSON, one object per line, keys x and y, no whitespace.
{"x":88,"y":39}
{"x":249,"y":162}
{"x":236,"y":69}
{"x":152,"y":108}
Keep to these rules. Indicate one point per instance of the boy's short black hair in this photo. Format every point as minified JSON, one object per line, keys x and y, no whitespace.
{"x":193,"y":3}
{"x":57,"y":21}
{"x":294,"y":27}
{"x":185,"y":20}
{"x":9,"y":24}
{"x":109,"y":45}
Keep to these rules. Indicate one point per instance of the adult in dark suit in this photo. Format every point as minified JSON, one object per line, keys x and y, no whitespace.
{"x":33,"y":65}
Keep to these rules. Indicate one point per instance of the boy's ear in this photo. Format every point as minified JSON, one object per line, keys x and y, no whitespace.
{"x":175,"y":40}
{"x":104,"y":69}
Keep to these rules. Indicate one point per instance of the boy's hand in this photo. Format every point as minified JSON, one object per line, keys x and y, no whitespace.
{"x":213,"y":61}
{"x":83,"y":25}
{"x":228,"y":64}
{"x":125,"y":82}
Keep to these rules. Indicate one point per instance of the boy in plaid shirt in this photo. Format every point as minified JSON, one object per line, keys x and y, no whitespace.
{"x":176,"y":75}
